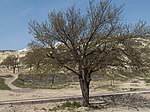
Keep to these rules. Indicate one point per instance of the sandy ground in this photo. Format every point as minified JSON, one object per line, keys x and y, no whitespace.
{"x":19,"y":93}
{"x":48,"y":106}
{"x":38,"y":93}
{"x":25,"y":93}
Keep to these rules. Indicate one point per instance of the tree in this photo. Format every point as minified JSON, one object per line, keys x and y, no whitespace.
{"x":35,"y":58}
{"x":89,"y":42}
{"x":50,"y":67}
{"x":11,"y":61}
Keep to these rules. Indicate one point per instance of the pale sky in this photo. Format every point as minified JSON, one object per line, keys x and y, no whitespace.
{"x":15,"y":15}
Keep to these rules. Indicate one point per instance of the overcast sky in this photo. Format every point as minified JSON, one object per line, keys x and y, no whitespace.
{"x":15,"y":15}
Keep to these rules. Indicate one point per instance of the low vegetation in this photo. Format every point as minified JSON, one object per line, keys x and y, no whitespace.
{"x":128,"y":101}
{"x":69,"y":105}
{"x":43,"y":81}
{"x":3,"y":86}
{"x":6,"y":76}
{"x":147,"y":80}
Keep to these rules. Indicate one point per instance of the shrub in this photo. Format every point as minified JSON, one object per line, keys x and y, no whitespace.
{"x":69,"y":105}
{"x":147,"y":80}
{"x":3,"y":86}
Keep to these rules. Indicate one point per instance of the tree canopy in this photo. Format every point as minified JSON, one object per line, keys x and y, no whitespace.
{"x":11,"y":61}
{"x":89,"y":42}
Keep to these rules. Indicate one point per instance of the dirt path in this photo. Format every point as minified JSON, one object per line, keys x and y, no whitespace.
{"x":72,"y":98}
{"x":10,"y":80}
{"x":4,"y":72}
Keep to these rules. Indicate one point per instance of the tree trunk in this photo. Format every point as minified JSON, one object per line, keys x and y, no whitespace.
{"x":53,"y":78}
{"x":7,"y":67}
{"x":84,"y":84}
{"x":18,"y":69}
{"x":14,"y":69}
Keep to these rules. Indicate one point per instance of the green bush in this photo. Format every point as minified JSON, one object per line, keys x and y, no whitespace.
{"x":69,"y":105}
{"x":147,"y":80}
{"x":135,"y":81}
{"x":3,"y":86}
{"x":7,"y":76}
{"x":134,"y":89}
{"x":39,"y":81}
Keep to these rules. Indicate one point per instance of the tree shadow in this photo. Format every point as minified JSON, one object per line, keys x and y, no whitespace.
{"x":133,"y":101}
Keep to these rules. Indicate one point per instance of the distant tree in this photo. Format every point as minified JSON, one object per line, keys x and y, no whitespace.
{"x":51,"y":67}
{"x":38,"y":60}
{"x":11,"y":61}
{"x":27,"y":60}
{"x":35,"y":58}
{"x":89,"y":42}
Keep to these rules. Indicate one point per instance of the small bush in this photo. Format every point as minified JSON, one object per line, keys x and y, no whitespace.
{"x":7,"y":76}
{"x":3,"y":86}
{"x":41,"y":81}
{"x":147,"y":80}
{"x":69,"y":105}
{"x":135,"y":81}
{"x":134,"y":89}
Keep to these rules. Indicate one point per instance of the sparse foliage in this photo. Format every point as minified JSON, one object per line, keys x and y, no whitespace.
{"x":34,"y":58}
{"x":11,"y":61}
{"x":86,"y":43}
